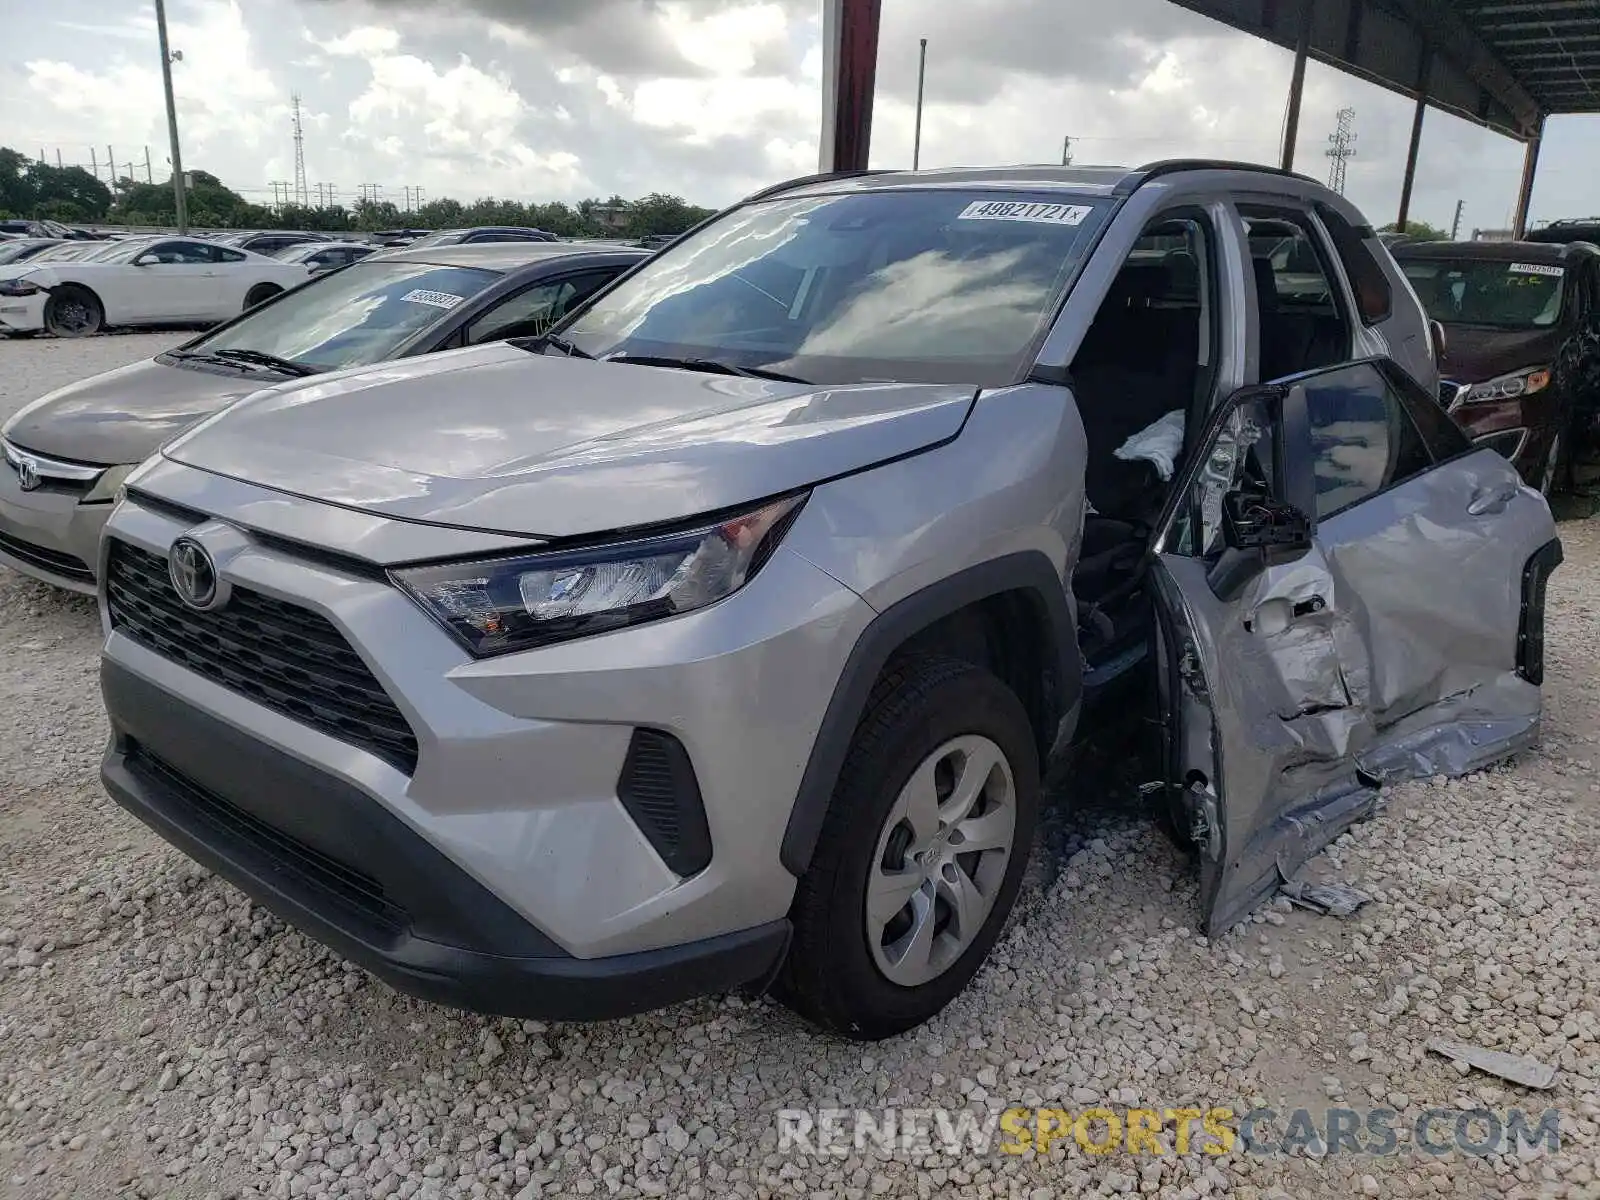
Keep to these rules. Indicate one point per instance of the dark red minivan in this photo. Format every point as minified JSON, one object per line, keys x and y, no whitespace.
{"x":1522,"y":336}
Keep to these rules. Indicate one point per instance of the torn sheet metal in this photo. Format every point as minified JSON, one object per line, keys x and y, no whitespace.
{"x":1516,"y":1068}
{"x":1331,"y":899}
{"x":1160,"y":444}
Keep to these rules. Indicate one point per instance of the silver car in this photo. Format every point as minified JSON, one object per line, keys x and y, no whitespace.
{"x":70,"y":450}
{"x":717,"y":638}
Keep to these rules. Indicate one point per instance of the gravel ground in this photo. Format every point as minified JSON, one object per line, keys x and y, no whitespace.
{"x":161,"y":1036}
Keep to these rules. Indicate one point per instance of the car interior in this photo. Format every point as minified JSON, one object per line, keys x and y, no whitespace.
{"x":1150,"y":355}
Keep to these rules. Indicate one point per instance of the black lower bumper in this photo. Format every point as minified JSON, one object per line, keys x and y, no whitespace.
{"x":333,"y":862}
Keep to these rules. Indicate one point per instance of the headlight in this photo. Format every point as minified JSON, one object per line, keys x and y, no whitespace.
{"x":503,"y":604}
{"x":18,"y":287}
{"x":1509,"y":387}
{"x":105,"y":488}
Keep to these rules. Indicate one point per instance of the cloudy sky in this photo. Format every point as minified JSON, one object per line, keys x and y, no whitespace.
{"x":559,"y":99}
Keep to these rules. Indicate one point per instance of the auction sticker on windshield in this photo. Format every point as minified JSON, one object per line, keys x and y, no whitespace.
{"x":1020,"y":210}
{"x":437,"y":299}
{"x":1537,"y":269}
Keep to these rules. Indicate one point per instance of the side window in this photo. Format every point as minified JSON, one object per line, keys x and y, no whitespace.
{"x":1363,"y":438}
{"x":225,"y":255}
{"x":1369,"y":282}
{"x":527,"y":314}
{"x":180,"y":252}
{"x":1300,"y":312}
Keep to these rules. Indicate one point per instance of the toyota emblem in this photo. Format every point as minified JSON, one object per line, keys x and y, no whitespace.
{"x":193,"y":574}
{"x":27,"y":474}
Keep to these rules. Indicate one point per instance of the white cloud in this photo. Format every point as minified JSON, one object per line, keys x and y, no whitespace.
{"x":363,"y":41}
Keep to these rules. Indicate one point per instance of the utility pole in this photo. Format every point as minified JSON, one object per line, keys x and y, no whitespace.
{"x":149,"y":171}
{"x":1066,"y":151}
{"x":300,"y":196}
{"x":58,"y":158}
{"x":922,"y":75}
{"x":94,"y":166}
{"x":1455,"y":226}
{"x":1341,"y":148}
{"x":180,"y":202}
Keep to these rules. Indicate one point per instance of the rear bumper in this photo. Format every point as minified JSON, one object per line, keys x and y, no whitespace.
{"x":331,"y":861}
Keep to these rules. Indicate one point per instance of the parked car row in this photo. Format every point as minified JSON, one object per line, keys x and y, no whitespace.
{"x":708,"y":626}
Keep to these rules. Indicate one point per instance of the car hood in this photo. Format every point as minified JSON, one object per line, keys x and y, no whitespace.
{"x":494,"y":438}
{"x":1474,"y":353}
{"x":124,"y":415}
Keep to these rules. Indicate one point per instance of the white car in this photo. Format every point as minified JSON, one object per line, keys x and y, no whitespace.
{"x":139,"y":281}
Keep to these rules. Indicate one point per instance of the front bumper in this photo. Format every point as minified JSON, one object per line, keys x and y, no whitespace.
{"x":50,"y":534}
{"x":287,"y":835}
{"x":22,"y":314}
{"x":516,"y":794}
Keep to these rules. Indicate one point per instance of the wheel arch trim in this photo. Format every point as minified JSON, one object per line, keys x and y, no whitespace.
{"x":1030,"y":572}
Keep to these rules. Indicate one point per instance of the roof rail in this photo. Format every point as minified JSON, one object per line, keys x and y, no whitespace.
{"x":805,"y":180}
{"x":1142,"y":175}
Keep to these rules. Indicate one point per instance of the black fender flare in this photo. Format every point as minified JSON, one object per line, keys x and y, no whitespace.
{"x":1029,"y":571}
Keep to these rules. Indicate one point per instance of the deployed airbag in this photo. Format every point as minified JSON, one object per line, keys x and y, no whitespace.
{"x":1160,"y":443}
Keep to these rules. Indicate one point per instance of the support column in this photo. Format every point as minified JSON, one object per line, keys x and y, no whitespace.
{"x":849,"y":79}
{"x":1297,"y":85}
{"x":1416,"y":142}
{"x":1530,"y":168}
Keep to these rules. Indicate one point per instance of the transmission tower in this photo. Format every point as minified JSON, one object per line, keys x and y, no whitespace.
{"x":1341,"y":148}
{"x":302,"y":195}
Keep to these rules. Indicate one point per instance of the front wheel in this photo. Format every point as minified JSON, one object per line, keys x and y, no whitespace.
{"x":921,"y":854}
{"x":260,"y":294}
{"x":73,"y":311}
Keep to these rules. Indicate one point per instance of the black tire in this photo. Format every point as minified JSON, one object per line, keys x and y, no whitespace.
{"x":73,"y":311}
{"x":260,"y":294}
{"x":830,"y":976}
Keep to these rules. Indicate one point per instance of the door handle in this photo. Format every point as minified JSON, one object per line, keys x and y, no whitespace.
{"x":1490,"y":500}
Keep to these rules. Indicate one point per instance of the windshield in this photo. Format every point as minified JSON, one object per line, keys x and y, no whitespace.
{"x":445,"y":237}
{"x":1504,"y":295}
{"x":352,"y":317}
{"x":12,"y":251}
{"x":919,"y":286}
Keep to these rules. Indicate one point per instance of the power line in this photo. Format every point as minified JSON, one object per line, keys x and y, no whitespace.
{"x":1341,"y":148}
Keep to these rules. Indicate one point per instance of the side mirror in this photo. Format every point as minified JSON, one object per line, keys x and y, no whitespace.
{"x":1258,"y":531}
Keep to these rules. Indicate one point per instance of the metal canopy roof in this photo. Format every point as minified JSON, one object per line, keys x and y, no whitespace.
{"x":1503,"y":63}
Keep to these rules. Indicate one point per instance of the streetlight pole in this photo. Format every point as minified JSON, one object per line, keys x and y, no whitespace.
{"x":179,"y":200}
{"x":922,"y":74}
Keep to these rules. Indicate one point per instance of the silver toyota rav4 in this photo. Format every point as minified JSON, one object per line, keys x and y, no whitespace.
{"x":716,"y":638}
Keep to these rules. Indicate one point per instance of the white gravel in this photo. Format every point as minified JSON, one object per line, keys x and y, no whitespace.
{"x":161,"y":1036}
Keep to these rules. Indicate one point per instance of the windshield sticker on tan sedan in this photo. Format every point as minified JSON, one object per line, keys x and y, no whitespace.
{"x":1017,"y":210}
{"x":1537,"y":269}
{"x":437,"y":299}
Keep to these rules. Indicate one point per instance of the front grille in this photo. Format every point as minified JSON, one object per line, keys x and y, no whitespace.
{"x":57,"y":562}
{"x":354,"y":890}
{"x":282,"y":656}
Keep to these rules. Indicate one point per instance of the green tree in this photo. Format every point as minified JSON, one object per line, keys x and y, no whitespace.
{"x":660,"y":213}
{"x":68,"y":193}
{"x":441,"y":214}
{"x":16,"y":191}
{"x":1420,"y":230}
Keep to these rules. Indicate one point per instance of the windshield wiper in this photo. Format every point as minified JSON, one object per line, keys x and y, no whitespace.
{"x":540,"y":341}
{"x":703,"y":364}
{"x":251,"y":358}
{"x":261,"y":358}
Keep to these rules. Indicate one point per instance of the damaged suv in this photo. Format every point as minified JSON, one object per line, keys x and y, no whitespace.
{"x":717,"y":637}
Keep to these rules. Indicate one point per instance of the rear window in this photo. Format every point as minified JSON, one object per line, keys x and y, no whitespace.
{"x":925,"y":286}
{"x":355,"y":317}
{"x":1501,"y":295}
{"x":1374,"y":295}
